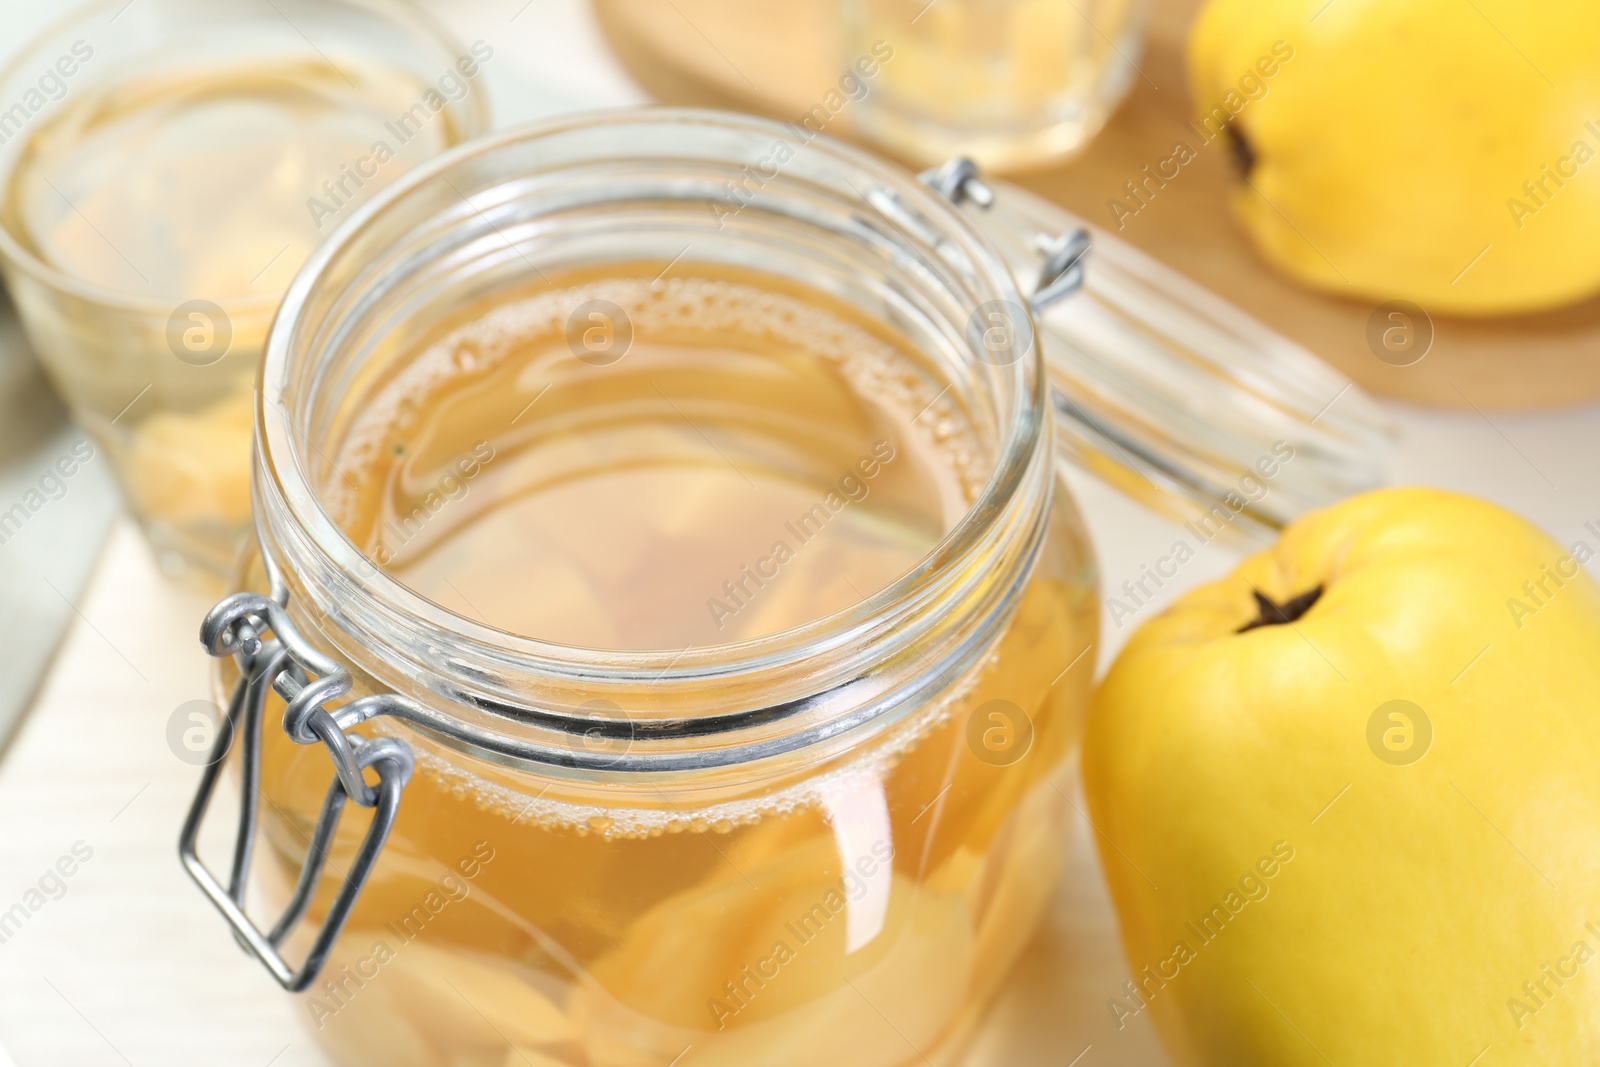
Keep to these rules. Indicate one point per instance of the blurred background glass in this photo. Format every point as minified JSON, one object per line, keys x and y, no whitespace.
{"x":165,"y":170}
{"x":1013,"y":84}
{"x":1009,"y":83}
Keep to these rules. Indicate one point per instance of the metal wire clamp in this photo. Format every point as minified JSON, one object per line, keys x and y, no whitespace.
{"x":307,"y":680}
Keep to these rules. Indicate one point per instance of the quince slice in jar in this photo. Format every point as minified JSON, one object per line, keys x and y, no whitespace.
{"x":752,"y":968}
{"x":475,"y":1001}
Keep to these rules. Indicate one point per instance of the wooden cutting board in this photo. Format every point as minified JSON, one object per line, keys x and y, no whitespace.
{"x":778,"y":57}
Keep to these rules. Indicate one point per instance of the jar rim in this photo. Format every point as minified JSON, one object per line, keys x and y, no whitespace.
{"x":16,"y":254}
{"x":291,"y":516}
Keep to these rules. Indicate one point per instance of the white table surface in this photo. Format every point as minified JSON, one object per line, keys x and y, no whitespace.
{"x":131,"y":966}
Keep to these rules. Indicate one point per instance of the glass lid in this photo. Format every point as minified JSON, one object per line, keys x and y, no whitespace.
{"x":1164,"y":389}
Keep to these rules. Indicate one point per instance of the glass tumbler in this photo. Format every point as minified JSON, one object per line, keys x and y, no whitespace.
{"x":483,"y":836}
{"x":1008,"y":83}
{"x":165,"y":168}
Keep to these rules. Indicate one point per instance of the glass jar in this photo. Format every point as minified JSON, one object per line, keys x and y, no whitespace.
{"x":820,"y":845}
{"x":165,"y":170}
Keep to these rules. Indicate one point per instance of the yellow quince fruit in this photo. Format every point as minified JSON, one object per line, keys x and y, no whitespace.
{"x":1445,"y":152}
{"x":1348,"y":802}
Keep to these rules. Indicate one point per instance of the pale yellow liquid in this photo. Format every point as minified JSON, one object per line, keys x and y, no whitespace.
{"x":1013,"y":83}
{"x":617,"y":926}
{"x":211,"y":182}
{"x":196,"y":182}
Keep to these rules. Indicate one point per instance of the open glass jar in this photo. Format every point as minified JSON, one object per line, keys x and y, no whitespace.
{"x":659,"y":527}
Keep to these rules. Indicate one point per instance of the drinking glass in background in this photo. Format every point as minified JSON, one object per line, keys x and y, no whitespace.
{"x":1009,"y":83}
{"x":165,"y":168}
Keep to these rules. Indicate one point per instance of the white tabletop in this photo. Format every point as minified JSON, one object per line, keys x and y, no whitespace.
{"x":131,"y":967}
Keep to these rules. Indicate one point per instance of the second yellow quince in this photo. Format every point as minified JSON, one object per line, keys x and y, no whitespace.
{"x":1445,"y":152}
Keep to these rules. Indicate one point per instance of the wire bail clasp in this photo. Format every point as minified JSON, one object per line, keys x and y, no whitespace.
{"x":306,"y":679}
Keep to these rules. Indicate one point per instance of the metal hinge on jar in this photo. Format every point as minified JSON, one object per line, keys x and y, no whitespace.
{"x":1163,"y":389}
{"x":1064,"y":255}
{"x":306,"y":680}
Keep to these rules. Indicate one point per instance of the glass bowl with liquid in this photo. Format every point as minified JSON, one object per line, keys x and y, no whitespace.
{"x":668,"y":631}
{"x":165,"y":168}
{"x":1013,"y":84}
